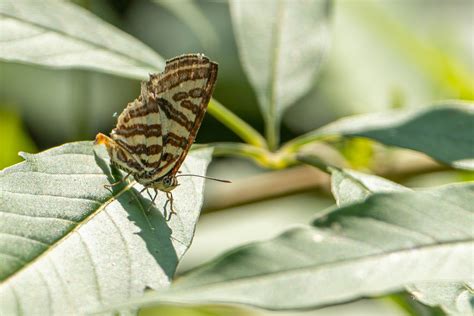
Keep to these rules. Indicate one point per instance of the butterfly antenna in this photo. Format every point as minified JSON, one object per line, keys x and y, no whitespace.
{"x":209,"y":178}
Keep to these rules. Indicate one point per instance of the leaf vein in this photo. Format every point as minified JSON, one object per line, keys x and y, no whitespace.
{"x":40,"y":217}
{"x":93,"y":266}
{"x":53,"y":196}
{"x":127,"y":252}
{"x":27,"y":238}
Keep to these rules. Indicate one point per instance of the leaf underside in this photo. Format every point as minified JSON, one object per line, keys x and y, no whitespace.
{"x":455,"y":298}
{"x":281,"y":45}
{"x":63,"y":35}
{"x":369,"y":248}
{"x":444,"y":132}
{"x":79,"y":245}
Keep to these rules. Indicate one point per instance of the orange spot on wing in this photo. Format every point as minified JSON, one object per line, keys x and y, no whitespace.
{"x":102,"y":139}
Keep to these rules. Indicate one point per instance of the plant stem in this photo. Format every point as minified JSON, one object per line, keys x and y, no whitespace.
{"x":305,"y":178}
{"x":296,"y":143}
{"x":272,"y":131}
{"x":246,"y":132}
{"x":261,"y":156}
{"x":242,"y":150}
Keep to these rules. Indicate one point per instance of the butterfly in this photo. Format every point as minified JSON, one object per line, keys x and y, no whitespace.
{"x":155,"y":132}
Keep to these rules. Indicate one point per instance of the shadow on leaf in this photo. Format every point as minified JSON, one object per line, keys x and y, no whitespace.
{"x":154,"y":229}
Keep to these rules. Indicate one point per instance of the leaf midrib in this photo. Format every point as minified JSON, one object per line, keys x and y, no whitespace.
{"x":106,"y":48}
{"x":324,"y":265}
{"x":72,"y":231}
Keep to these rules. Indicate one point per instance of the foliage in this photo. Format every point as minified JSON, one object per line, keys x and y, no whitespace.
{"x":10,"y":124}
{"x":83,"y":248}
{"x":55,"y":209}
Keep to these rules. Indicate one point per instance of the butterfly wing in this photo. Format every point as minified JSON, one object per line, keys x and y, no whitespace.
{"x":157,"y":129}
{"x":181,"y":93}
{"x":139,"y":131}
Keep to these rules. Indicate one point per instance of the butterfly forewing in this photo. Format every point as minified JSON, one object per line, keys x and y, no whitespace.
{"x":158,"y":128}
{"x":182,"y":94}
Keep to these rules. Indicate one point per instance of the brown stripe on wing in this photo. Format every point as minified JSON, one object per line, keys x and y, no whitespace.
{"x":140,"y":111}
{"x":138,"y":129}
{"x":125,"y":162}
{"x":181,"y":95}
{"x":160,"y":83}
{"x":175,"y":140}
{"x":141,"y":149}
{"x":186,"y":60}
{"x":173,"y":114}
{"x":149,"y":177}
{"x":196,"y":92}
{"x":194,"y":108}
{"x":209,"y":88}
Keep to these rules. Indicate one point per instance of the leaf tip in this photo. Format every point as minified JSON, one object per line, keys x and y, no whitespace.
{"x":24,"y":155}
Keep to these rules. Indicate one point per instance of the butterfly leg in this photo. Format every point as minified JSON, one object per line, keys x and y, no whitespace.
{"x":152,"y":199}
{"x":110,"y":186}
{"x":169,"y":195}
{"x":148,"y":192}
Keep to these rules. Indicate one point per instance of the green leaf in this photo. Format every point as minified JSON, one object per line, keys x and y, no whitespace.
{"x":444,"y":132}
{"x":281,"y":44}
{"x":68,"y":245}
{"x":63,"y":35}
{"x":455,"y":298}
{"x":350,"y":186}
{"x":369,"y":248}
{"x":191,"y":14}
{"x":14,"y":138}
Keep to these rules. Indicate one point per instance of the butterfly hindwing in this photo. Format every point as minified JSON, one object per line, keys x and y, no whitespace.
{"x":139,"y":131}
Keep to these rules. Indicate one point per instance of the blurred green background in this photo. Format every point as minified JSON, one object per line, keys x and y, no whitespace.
{"x":383,"y":54}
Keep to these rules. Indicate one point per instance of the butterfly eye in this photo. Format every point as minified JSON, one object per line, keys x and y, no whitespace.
{"x":167,"y":181}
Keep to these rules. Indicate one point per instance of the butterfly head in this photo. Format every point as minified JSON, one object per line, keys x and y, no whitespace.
{"x":166,"y":183}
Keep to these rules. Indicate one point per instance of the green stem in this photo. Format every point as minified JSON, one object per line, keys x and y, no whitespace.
{"x":261,"y":156}
{"x":272,"y":131}
{"x":295,"y":144}
{"x":242,"y":150}
{"x":236,"y":124}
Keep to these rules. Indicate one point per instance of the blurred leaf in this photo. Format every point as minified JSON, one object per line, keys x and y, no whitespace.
{"x":411,"y":307}
{"x":442,"y":132}
{"x":13,"y":139}
{"x":281,"y":44}
{"x":191,"y":15}
{"x":348,"y":187}
{"x":195,"y":311}
{"x":455,"y":298}
{"x":364,"y":249}
{"x":78,"y":245}
{"x":434,"y":60}
{"x":358,"y":152}
{"x":63,"y":35}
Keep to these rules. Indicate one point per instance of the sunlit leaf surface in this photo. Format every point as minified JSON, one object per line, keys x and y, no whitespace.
{"x":444,"y":132}
{"x":80,"y":246}
{"x":363,"y":249}
{"x":455,"y":298}
{"x":349,"y":186}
